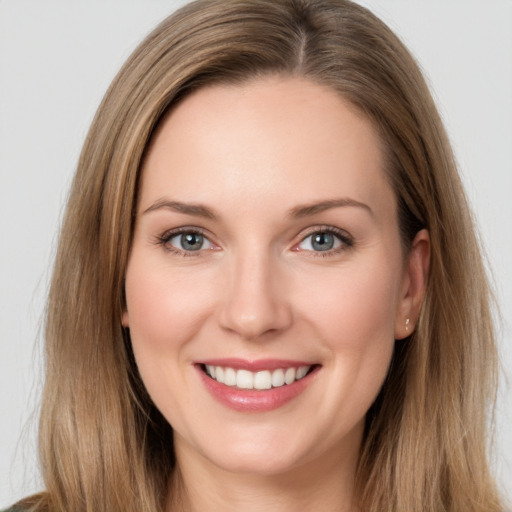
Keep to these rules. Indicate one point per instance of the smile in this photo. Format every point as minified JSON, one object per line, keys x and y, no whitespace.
{"x":261,"y":380}
{"x":256,"y":386}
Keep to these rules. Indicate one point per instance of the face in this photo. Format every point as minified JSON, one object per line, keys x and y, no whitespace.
{"x":267,"y":282}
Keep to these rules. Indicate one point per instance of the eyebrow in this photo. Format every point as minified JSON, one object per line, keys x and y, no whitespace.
{"x":296,"y":212}
{"x":186,"y":208}
{"x":313,"y":208}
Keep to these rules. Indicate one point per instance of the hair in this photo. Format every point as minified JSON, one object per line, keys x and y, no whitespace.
{"x":103,"y":444}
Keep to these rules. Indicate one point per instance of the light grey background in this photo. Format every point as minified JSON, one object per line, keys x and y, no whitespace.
{"x":56,"y":60}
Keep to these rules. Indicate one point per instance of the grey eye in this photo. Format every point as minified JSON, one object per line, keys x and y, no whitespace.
{"x":190,"y":241}
{"x":320,"y":241}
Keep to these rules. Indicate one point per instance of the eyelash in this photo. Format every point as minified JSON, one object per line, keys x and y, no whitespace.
{"x":346,"y":241}
{"x":166,"y":237}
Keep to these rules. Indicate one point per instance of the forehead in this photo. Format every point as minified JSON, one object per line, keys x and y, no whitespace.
{"x":268,"y":139}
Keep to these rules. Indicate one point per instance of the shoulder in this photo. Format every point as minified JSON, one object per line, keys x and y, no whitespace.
{"x":18,"y":507}
{"x":36,"y":503}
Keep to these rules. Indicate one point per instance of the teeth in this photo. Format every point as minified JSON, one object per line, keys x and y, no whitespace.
{"x":301,"y":372}
{"x":230,"y":377}
{"x":263,"y":380}
{"x":277,"y":378}
{"x":244,"y":379}
{"x":289,"y":375}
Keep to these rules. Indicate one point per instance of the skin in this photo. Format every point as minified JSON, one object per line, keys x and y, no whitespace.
{"x":254,"y":154}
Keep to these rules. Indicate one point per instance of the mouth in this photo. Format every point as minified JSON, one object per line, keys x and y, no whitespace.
{"x":259,"y":380}
{"x":256,"y":386}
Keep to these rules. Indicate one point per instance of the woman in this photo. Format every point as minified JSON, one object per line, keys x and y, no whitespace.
{"x":262,"y":296}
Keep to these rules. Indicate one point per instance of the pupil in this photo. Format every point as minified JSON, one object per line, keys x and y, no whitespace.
{"x":192,"y":241}
{"x":323,"y":241}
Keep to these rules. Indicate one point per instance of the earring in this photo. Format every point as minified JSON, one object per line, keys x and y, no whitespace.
{"x":407,"y":321}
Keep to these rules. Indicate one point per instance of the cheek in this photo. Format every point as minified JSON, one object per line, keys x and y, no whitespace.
{"x":163,"y":312}
{"x":355,"y":316}
{"x":360,"y":300}
{"x":164,"y":307}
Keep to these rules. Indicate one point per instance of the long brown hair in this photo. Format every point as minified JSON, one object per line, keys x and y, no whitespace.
{"x":103,"y":444}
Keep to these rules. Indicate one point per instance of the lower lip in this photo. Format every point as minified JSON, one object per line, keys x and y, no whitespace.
{"x":248,"y":400}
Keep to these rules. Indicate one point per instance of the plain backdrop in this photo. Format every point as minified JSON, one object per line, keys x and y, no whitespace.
{"x":57,"y":59}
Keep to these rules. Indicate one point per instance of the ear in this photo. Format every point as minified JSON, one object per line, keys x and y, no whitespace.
{"x":414,"y":284}
{"x":125,"y":320}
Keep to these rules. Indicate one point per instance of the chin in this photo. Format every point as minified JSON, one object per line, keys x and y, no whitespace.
{"x":256,"y":451}
{"x":255,"y":461}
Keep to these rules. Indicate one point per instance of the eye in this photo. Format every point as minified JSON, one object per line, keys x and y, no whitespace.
{"x":186,"y":241}
{"x":324,"y":240}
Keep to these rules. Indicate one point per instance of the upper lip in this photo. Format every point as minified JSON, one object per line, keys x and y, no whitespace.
{"x":255,"y":365}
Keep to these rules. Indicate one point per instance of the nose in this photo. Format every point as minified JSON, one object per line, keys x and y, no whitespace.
{"x":254,"y":301}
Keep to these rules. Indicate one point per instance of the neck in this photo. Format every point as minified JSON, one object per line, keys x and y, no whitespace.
{"x":197,"y":485}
